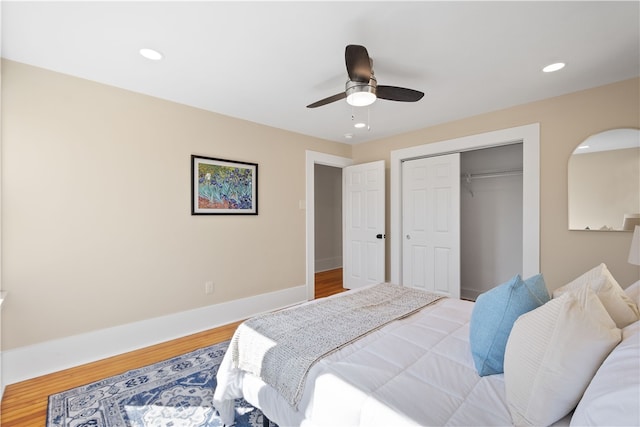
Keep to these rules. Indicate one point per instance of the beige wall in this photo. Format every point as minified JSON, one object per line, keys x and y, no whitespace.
{"x":97,"y":230}
{"x":564,"y":121}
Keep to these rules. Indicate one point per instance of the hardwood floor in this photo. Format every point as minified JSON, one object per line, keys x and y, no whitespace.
{"x":24,"y":404}
{"x":329,"y":283}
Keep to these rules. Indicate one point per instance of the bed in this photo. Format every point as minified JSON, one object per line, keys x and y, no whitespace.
{"x":419,"y":369}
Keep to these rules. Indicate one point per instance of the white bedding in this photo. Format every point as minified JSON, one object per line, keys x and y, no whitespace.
{"x":281,"y":346}
{"x":420,"y":371}
{"x":415,"y":371}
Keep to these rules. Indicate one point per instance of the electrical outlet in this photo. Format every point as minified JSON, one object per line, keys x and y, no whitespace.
{"x":208,"y":287}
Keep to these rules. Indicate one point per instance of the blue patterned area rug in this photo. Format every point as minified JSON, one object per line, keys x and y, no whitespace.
{"x":173,"y":393}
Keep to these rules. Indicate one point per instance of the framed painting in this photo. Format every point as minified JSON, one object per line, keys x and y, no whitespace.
{"x":223,"y":187}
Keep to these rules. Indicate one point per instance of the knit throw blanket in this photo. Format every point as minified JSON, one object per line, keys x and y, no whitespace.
{"x":281,"y":347}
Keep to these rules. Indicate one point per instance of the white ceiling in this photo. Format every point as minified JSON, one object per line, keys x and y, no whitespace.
{"x":265,"y":61}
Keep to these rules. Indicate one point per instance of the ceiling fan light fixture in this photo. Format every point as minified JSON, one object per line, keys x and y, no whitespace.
{"x":361,"y":94}
{"x":362,"y":87}
{"x":361,"y":99}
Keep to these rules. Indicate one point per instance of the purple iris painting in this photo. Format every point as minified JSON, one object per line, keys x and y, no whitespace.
{"x":223,"y":186}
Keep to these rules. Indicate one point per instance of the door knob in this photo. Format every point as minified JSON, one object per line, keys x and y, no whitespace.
{"x":408,"y":237}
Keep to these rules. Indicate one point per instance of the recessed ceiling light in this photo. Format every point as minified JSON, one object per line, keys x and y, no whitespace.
{"x":553,"y":67}
{"x":151,"y":54}
{"x":359,"y":125}
{"x":348,"y":135}
{"x":583,"y":147}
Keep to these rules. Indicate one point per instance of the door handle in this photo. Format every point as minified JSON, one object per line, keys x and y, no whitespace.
{"x":380,"y":236}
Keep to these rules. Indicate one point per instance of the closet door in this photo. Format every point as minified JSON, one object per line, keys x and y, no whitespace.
{"x":431,"y":224}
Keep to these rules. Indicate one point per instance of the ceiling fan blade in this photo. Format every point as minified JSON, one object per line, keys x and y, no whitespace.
{"x":394,"y":93}
{"x":328,"y":100}
{"x":358,"y":63}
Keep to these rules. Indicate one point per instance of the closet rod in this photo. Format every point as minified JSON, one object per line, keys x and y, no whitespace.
{"x":511,"y":172}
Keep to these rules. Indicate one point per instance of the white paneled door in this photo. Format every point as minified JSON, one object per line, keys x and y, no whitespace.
{"x":431,"y":224}
{"x":363,"y":224}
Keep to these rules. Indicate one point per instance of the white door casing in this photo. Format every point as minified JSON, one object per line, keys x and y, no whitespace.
{"x":363,"y":224}
{"x":431,"y":224}
{"x":313,"y":158}
{"x":529,"y":135}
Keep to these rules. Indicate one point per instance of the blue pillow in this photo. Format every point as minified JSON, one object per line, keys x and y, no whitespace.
{"x":493,"y":316}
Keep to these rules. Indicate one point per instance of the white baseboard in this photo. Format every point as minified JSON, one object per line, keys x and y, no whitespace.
{"x":44,"y":358}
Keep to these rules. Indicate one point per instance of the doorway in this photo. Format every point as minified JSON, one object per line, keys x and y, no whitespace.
{"x":363,"y":228}
{"x":315,"y":158}
{"x":328,"y":230}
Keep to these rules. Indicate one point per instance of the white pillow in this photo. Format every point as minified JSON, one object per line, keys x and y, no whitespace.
{"x":552,"y":354}
{"x":620,"y":307}
{"x":633,"y":292}
{"x":613,"y":397}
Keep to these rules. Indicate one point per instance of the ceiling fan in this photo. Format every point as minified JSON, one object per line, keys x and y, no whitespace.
{"x":362,"y":88}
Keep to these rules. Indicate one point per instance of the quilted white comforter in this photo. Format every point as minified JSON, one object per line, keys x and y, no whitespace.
{"x":415,"y":371}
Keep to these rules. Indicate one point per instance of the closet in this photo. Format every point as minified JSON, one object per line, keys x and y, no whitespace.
{"x":462,"y":227}
{"x":490,"y":218}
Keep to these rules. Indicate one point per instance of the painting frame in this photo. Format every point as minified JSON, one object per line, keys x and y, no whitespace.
{"x":223,"y":187}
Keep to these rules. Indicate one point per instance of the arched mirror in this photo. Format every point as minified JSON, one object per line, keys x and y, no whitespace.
{"x":604,"y":182}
